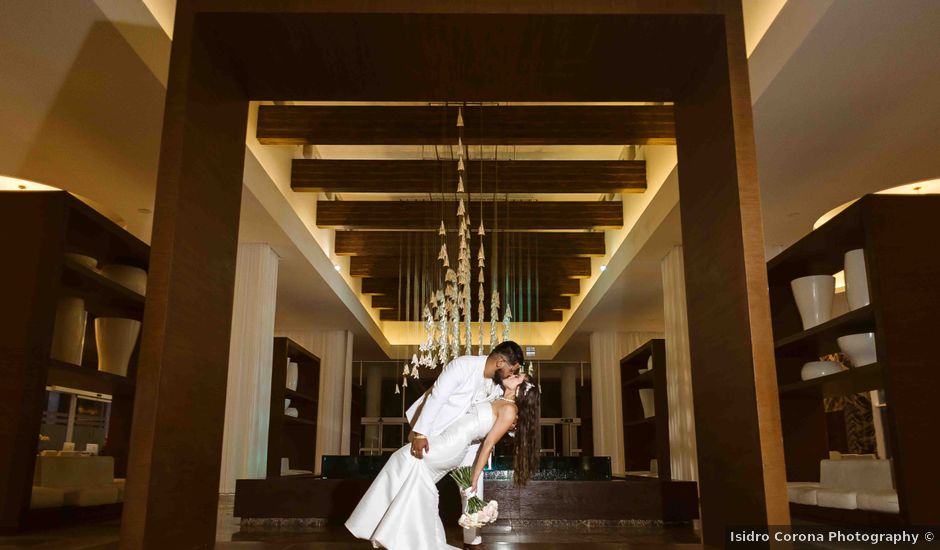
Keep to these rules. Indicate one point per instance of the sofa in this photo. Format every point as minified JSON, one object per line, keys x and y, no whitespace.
{"x":849,"y":485}
{"x":80,"y":481}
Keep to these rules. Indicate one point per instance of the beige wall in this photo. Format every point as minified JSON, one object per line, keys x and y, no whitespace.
{"x":80,"y":108}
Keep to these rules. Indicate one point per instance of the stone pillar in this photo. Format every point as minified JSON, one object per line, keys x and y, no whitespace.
{"x":373,"y":408}
{"x":569,"y":407}
{"x":248,"y":394}
{"x":682,"y":453}
{"x":334,"y":348}
{"x":607,"y":349}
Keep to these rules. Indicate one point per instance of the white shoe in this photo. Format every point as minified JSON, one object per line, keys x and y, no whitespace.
{"x":477,"y":540}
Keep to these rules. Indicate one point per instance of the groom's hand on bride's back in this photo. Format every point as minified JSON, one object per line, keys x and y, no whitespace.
{"x":419,"y":446}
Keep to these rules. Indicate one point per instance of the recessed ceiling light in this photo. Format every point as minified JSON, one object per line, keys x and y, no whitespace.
{"x":603,"y":267}
{"x":337,"y":267}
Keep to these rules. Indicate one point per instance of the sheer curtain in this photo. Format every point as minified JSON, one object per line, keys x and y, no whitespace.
{"x":334,"y":348}
{"x":607,"y":349}
{"x":248,"y":393}
{"x":682,"y":452}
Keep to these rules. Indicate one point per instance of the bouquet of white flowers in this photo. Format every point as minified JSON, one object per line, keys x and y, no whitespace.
{"x":478,"y":512}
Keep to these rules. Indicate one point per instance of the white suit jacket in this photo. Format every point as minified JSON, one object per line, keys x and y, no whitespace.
{"x":450,"y":397}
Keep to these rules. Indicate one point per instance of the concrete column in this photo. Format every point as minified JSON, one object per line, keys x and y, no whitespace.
{"x":682,"y":449}
{"x":248,"y":393}
{"x":373,"y":404}
{"x":569,"y":407}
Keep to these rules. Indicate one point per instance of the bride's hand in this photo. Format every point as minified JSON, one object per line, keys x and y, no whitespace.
{"x":473,"y":487}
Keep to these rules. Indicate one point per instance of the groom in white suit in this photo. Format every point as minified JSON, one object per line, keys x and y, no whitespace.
{"x":466,"y":380}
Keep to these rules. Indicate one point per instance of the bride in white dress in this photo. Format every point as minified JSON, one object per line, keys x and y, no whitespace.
{"x":400,"y":509}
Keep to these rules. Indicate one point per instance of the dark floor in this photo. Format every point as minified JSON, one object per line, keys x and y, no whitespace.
{"x":231,"y":537}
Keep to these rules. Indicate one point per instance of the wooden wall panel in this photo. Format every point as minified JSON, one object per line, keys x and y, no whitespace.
{"x":737,"y":412}
{"x":25,"y":337}
{"x":171,"y":500}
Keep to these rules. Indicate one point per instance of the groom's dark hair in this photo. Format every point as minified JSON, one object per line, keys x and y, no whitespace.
{"x":511,"y":351}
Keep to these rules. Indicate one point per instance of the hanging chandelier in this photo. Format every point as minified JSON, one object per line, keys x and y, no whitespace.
{"x":447,"y":314}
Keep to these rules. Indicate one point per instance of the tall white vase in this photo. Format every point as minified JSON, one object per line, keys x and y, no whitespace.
{"x":856,"y":279}
{"x":116,"y":339}
{"x":646,"y":400}
{"x":813,"y":296}
{"x":128,"y":276}
{"x":292,"y":376}
{"x":68,"y":336}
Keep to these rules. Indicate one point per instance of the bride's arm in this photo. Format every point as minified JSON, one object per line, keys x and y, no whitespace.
{"x":504,"y":421}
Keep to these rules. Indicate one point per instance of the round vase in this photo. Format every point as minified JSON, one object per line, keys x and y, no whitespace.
{"x":859,"y":347}
{"x":646,"y":400}
{"x":116,"y":339}
{"x":815,"y":369}
{"x":133,"y":278}
{"x":856,"y":279}
{"x":813,"y":297}
{"x":68,"y":336}
{"x":81,"y":259}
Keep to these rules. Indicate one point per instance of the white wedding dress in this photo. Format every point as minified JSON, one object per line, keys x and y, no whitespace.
{"x":400,"y":509}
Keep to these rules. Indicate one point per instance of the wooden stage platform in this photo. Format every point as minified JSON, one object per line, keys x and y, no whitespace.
{"x":626,"y":499}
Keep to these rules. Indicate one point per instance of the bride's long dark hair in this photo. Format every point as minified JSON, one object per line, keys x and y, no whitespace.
{"x":526,"y":441}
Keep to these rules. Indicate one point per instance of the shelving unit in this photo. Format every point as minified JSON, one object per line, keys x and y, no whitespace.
{"x":290,"y":437}
{"x":38,"y":229}
{"x":898,"y":234}
{"x":645,"y":438}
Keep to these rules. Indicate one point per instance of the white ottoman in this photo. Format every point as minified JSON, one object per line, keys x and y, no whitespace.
{"x":879,"y":501}
{"x":46,"y":497}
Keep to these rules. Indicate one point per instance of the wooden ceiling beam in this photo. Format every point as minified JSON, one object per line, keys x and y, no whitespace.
{"x":554,"y":268}
{"x":504,"y":125}
{"x":512,"y":215}
{"x":547,"y":287}
{"x":505,"y":176}
{"x":542,"y":245}
{"x":376,"y":286}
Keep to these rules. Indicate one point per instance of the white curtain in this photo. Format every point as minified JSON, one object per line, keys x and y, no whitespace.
{"x":248,"y":392}
{"x":682,"y":453}
{"x":334,"y":348}
{"x":607,"y":349}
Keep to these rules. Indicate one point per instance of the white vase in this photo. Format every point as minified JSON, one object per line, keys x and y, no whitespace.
{"x":68,"y":336}
{"x":646,"y":400}
{"x":116,"y":339}
{"x":292,"y":376}
{"x":127,"y":276}
{"x":856,"y":279}
{"x":859,"y":347}
{"x":815,"y":369}
{"x":813,"y":296}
